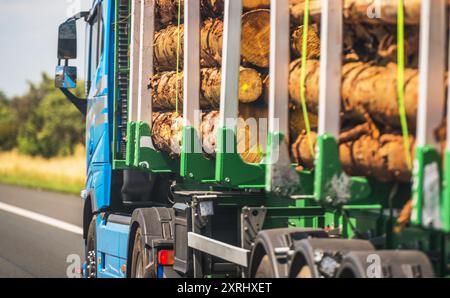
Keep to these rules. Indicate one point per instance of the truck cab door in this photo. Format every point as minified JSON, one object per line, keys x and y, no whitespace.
{"x":99,"y":99}
{"x":97,"y":88}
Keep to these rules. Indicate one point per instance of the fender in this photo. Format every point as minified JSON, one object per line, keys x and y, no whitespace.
{"x":157,"y":225}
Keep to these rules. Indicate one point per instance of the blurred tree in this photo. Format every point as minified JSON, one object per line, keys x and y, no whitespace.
{"x":51,"y":124}
{"x":24,"y":105}
{"x":8,"y":124}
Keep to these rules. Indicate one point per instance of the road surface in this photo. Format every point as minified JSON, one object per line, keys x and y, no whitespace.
{"x":38,"y":231}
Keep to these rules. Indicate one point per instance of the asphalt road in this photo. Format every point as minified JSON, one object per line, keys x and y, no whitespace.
{"x":38,"y":232}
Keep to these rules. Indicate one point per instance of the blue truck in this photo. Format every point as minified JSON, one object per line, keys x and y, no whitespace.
{"x":147,"y":214}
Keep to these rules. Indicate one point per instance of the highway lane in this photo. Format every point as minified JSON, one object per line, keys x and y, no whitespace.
{"x":33,"y":240}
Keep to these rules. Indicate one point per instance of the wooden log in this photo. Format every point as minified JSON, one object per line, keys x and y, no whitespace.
{"x":167,"y":10}
{"x":255,"y":37}
{"x":166,"y":41}
{"x":313,"y":42}
{"x":376,"y":43}
{"x":167,"y":132}
{"x":251,"y":140}
{"x":251,"y":132}
{"x":163,"y":88}
{"x":363,"y":11}
{"x":364,"y":154}
{"x":255,"y":43}
{"x":365,"y":89}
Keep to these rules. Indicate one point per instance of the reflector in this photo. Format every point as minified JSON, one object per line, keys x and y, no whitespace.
{"x":165,"y":257}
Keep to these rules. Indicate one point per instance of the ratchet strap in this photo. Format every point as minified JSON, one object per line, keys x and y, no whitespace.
{"x":177,"y":88}
{"x":303,"y":76}
{"x":401,"y":80}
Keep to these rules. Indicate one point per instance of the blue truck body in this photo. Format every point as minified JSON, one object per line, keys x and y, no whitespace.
{"x":112,"y":238}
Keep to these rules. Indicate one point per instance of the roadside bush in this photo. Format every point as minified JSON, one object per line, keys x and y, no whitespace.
{"x":8,"y":125}
{"x":42,"y":122}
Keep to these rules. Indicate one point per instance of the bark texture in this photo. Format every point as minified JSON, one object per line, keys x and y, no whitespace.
{"x":363,"y":152}
{"x":255,"y":37}
{"x":163,"y":87}
{"x":251,"y":136}
{"x":366,"y":88}
{"x":167,"y":10}
{"x":166,"y":42}
{"x":363,"y":11}
{"x":255,"y":42}
{"x":167,"y":131}
{"x":361,"y":42}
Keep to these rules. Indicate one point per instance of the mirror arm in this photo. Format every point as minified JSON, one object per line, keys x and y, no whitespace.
{"x":81,"y":15}
{"x":79,"y":103}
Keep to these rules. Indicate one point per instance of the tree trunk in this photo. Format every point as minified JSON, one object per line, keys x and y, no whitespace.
{"x":313,"y":44}
{"x":167,"y":10}
{"x":251,"y":132}
{"x":365,"y":89}
{"x":255,"y":42}
{"x":364,"y":11}
{"x":167,"y":131}
{"x":362,"y":43}
{"x":163,"y":86}
{"x":255,"y":37}
{"x":166,"y":42}
{"x":363,"y":153}
{"x":251,"y":139}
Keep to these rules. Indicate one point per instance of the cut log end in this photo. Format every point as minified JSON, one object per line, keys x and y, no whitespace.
{"x":255,"y":37}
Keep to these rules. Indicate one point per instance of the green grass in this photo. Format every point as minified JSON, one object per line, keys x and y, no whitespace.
{"x":59,"y":174}
{"x":36,"y":182}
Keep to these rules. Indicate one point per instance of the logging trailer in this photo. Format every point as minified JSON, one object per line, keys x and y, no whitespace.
{"x":149,"y":215}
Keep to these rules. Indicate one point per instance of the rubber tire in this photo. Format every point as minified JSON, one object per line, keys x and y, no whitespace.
{"x":91,"y":245}
{"x":139,"y":258}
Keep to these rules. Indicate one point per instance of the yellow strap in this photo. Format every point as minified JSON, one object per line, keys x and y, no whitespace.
{"x":178,"y":59}
{"x":401,"y":80}
{"x":303,"y":76}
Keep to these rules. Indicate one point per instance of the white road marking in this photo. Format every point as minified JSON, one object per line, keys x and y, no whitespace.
{"x":42,"y":218}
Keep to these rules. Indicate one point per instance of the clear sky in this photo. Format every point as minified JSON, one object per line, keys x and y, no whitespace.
{"x":28,"y":40}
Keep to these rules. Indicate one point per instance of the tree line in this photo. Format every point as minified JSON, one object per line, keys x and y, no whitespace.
{"x":41,"y":122}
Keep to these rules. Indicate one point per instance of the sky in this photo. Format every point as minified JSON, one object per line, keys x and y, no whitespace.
{"x":28,"y":40}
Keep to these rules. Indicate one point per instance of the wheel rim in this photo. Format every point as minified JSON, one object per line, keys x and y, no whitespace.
{"x":91,"y":264}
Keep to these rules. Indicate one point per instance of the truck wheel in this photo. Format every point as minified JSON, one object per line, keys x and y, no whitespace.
{"x":91,"y":249}
{"x":386,"y":264}
{"x":321,"y":257}
{"x":265,"y":269}
{"x":300,"y":267}
{"x":266,"y":261}
{"x":139,"y":260}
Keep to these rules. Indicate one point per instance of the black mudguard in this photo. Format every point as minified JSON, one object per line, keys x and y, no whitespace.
{"x":157,"y":229}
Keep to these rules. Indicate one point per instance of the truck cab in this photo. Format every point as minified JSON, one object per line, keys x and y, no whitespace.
{"x":110,"y":195}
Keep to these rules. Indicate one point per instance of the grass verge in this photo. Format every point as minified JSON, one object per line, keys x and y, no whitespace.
{"x":61,"y":174}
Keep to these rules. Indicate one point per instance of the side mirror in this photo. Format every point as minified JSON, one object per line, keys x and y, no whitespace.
{"x":66,"y":77}
{"x":67,"y":40}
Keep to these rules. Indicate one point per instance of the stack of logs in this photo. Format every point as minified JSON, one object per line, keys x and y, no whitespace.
{"x":167,"y":124}
{"x":371,"y":143}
